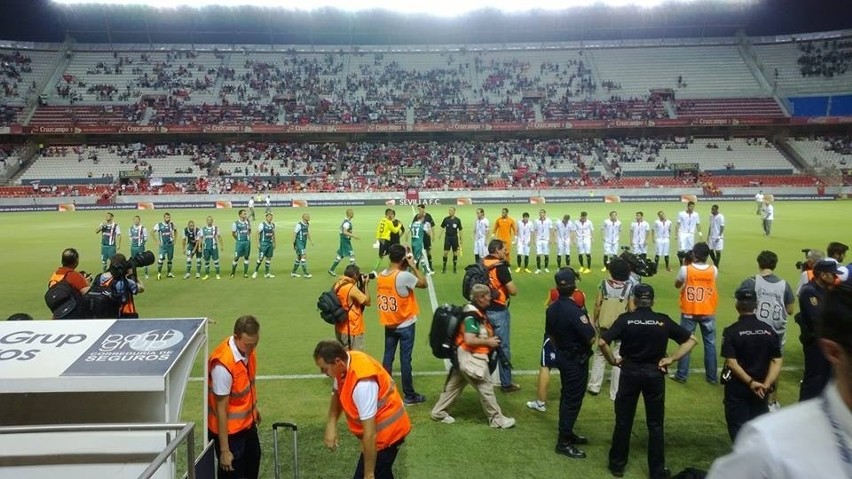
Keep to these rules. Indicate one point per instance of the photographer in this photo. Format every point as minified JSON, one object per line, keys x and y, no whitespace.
{"x":812,"y":257}
{"x":66,"y":288}
{"x":118,"y":280}
{"x":351,"y":289}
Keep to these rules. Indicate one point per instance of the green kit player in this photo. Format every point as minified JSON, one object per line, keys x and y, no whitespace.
{"x":345,"y":248}
{"x":419,"y":230}
{"x":241,"y":231}
{"x":265,"y":246}
{"x":192,"y":248}
{"x":210,"y":241}
{"x":164,"y":233}
{"x":110,"y":239}
{"x":301,"y":237}
{"x":138,"y":239}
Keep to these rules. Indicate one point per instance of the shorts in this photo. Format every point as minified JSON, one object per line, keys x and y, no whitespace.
{"x":716,"y":243}
{"x":345,"y":249}
{"x":191,"y":251}
{"x":242,"y":249}
{"x":548,"y":354}
{"x":480,"y":248}
{"x":167,"y":251}
{"x":427,"y":242}
{"x":417,"y":250}
{"x":563,"y":247}
{"x":610,"y":249}
{"x":265,"y":250}
{"x":542,"y":247}
{"x":451,"y":243}
{"x":663,"y":246}
{"x":107,"y":251}
{"x":209,"y":254}
{"x":584,"y":245}
{"x":383,"y":247}
{"x":301,"y":249}
{"x":685,"y":241}
{"x":640,"y":248}
{"x":524,"y":248}
{"x":134,"y":250}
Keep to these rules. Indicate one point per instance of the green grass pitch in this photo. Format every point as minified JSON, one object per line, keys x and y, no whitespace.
{"x":695,"y":426}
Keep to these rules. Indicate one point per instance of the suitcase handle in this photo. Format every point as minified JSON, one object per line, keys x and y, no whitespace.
{"x":295,"y":428}
{"x":288,"y":425}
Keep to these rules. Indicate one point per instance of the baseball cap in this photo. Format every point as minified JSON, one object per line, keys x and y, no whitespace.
{"x":826,"y":266}
{"x":643,"y":291}
{"x":565,"y":277}
{"x":745,"y":294}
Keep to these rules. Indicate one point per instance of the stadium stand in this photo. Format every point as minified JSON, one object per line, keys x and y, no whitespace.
{"x":804,"y":67}
{"x":825,"y":152}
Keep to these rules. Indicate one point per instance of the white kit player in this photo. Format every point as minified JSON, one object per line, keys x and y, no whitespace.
{"x":715,"y":236}
{"x":543,"y":237}
{"x":688,"y":223}
{"x":481,"y":230}
{"x":640,"y":230}
{"x":564,"y":236}
{"x":523,"y":238}
{"x":583,"y":232}
{"x":662,"y":238}
{"x":611,"y":233}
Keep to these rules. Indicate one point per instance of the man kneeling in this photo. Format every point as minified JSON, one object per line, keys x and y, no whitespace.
{"x":476,"y":342}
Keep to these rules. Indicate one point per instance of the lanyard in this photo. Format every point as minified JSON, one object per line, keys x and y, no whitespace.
{"x":839,"y":437}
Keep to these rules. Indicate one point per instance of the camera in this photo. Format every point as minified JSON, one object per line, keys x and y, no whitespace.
{"x":639,"y":265}
{"x":145,"y":258}
{"x":804,"y":265}
{"x":368,"y":276}
{"x":688,"y":257}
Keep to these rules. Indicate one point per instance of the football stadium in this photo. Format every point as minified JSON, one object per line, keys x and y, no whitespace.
{"x":222,"y":219}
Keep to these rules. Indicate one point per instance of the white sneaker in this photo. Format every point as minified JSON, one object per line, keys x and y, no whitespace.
{"x":446,"y":420}
{"x":295,"y":275}
{"x":546,"y":270}
{"x":537,"y":405}
{"x":146,"y":277}
{"x":218,"y":277}
{"x":505,"y":423}
{"x":269,"y":275}
{"x":206,"y":277}
{"x":538,"y":271}
{"x":197,"y":275}
{"x":774,"y":406}
{"x":308,"y":275}
{"x":254,"y":275}
{"x":170,"y":275}
{"x":187,"y":276}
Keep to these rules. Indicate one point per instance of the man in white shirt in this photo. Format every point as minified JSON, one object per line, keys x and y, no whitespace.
{"x":611,"y":233}
{"x":481,"y":229}
{"x":688,"y":223}
{"x":543,"y":238}
{"x":639,"y":232}
{"x":809,"y":439}
{"x":564,"y":232}
{"x":583,"y":231}
{"x":768,"y":217}
{"x":523,"y":238}
{"x":715,"y":238}
{"x":662,"y":238}
{"x":759,"y":199}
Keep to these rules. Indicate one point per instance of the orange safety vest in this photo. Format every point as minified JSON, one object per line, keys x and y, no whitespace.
{"x":392,"y":422}
{"x":460,"y":336}
{"x":698,"y":296}
{"x":354,"y":324}
{"x":393,"y":308}
{"x":127,"y":309}
{"x":242,"y":401}
{"x":503,"y":296}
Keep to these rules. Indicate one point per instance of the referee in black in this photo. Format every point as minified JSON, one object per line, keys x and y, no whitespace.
{"x":752,"y":353}
{"x":572,"y":335}
{"x":644,"y":335}
{"x":427,"y":239}
{"x":452,"y":226}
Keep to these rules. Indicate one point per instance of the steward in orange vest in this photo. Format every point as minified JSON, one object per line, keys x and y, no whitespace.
{"x":232,"y":415}
{"x":367,"y":395}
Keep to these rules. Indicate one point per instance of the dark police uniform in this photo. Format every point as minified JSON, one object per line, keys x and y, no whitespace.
{"x":644,"y":335}
{"x":817,"y":368}
{"x":571,"y":333}
{"x":753,"y":344}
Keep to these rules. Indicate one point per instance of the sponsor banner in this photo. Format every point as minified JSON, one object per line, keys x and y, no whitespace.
{"x":464,"y":201}
{"x":5,"y":130}
{"x":116,"y":206}
{"x":135,"y":348}
{"x":573,"y":199}
{"x":45,"y":349}
{"x":144,"y":206}
{"x":16,"y":209}
{"x":688,"y":198}
{"x":386,"y":128}
{"x":390,"y":202}
{"x":223,"y":204}
{"x":66,"y":207}
{"x":299,"y":204}
{"x":612,"y":199}
{"x":224,"y":129}
{"x":537,"y":200}
{"x":347,"y":202}
{"x":139,"y":129}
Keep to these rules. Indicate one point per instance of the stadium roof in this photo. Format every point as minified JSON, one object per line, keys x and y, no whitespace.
{"x":44,"y":21}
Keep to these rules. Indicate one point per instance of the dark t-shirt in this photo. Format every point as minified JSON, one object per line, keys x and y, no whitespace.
{"x":644,"y":335}
{"x":753,"y":344}
{"x":568,"y":326}
{"x":452,"y":226}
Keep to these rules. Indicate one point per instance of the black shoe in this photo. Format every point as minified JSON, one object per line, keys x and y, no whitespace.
{"x":569,"y":450}
{"x":616,"y":472}
{"x":578,"y":439}
{"x":665,"y":473}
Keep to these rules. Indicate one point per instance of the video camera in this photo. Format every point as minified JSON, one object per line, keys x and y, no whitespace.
{"x":688,"y":257}
{"x":145,"y":258}
{"x":639,"y":265}
{"x":363,"y":278}
{"x":804,"y":265}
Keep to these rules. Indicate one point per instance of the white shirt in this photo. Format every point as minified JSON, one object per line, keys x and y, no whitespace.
{"x":365,"y":395}
{"x":769,"y":212}
{"x":584,"y":229}
{"x":251,"y":203}
{"x":563,"y":230}
{"x":524,"y":231}
{"x":221,"y":377}
{"x":681,"y":275}
{"x":687,"y":223}
{"x":662,"y":229}
{"x":795,"y":443}
{"x":481,"y":229}
{"x":542,"y":229}
{"x":758,"y":197}
{"x":717,"y":222}
{"x":639,"y":231}
{"x":611,"y":230}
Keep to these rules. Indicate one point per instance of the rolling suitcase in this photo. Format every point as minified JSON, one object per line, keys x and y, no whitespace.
{"x":286,"y":425}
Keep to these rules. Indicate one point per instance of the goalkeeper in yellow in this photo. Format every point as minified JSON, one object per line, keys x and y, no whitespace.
{"x":383,"y":233}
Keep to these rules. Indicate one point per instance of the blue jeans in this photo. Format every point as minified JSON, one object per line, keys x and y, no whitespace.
{"x":500,"y":320}
{"x":708,"y":335}
{"x":405,"y":338}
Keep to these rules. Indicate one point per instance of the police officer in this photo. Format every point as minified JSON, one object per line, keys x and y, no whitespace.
{"x":752,"y":352}
{"x":572,"y":336}
{"x":644,"y":335}
{"x":817,"y":368}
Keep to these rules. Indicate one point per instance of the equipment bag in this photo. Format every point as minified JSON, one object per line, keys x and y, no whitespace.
{"x":615,"y":302}
{"x":64,"y":301}
{"x":478,"y":273}
{"x":331,"y":311}
{"x":102,"y":301}
{"x":445,"y":327}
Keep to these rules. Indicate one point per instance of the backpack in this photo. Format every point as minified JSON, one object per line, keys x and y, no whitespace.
{"x":102,"y":301}
{"x":445,"y":327}
{"x":331,"y":311}
{"x":478,"y":273}
{"x":64,"y":301}
{"x":613,"y":306}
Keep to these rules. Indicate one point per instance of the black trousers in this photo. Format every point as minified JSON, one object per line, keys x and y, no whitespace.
{"x":741,"y":406}
{"x":647,"y":380}
{"x":384,"y":462}
{"x":574,"y":377}
{"x":245,"y":446}
{"x":816,"y":374}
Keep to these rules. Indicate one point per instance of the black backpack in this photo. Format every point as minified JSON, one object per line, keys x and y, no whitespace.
{"x":445,"y":327}
{"x":102,"y":301}
{"x":64,"y":301}
{"x":478,"y":273}
{"x":331,"y":311}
